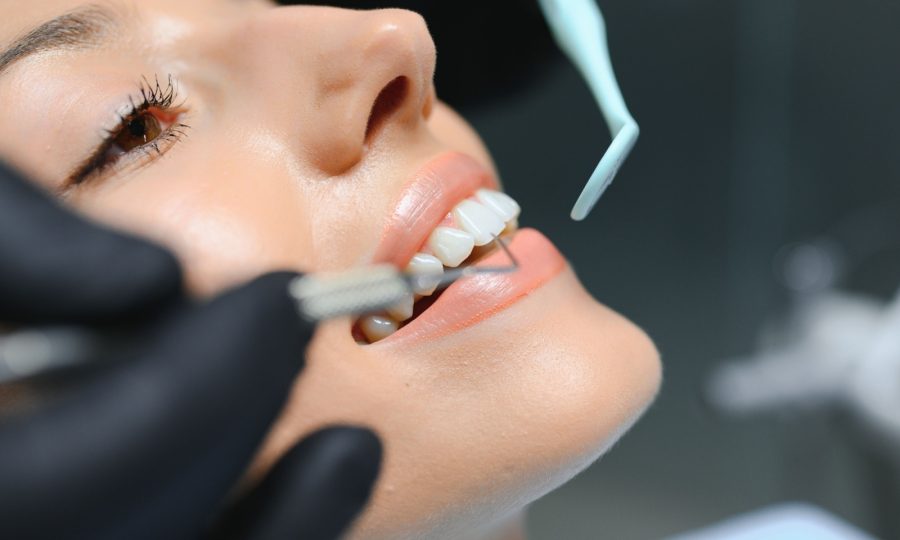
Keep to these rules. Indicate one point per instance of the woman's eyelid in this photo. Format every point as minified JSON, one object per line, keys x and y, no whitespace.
{"x":163,"y":97}
{"x":98,"y":169}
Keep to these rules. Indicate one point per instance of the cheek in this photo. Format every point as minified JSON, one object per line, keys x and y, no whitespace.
{"x":44,"y":117}
{"x":226,"y":224}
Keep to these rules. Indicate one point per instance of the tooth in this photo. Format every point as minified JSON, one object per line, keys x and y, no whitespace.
{"x":478,"y":221}
{"x":451,"y":246}
{"x":502,"y":204}
{"x":402,"y":310}
{"x":377,"y":327}
{"x":424,"y":264}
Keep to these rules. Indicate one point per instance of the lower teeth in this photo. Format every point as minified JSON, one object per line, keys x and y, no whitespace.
{"x":378,"y":327}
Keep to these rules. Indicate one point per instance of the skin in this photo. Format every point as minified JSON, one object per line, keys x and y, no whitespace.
{"x":277,"y":173}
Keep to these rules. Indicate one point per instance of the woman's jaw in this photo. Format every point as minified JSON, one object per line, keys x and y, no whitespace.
{"x":484,"y":420}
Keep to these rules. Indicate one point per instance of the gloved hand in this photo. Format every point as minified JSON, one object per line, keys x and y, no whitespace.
{"x":149,"y":444}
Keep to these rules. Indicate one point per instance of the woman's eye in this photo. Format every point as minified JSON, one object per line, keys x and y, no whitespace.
{"x":148,"y":130}
{"x":138,"y":131}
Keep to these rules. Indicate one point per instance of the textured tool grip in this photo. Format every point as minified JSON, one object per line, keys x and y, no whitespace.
{"x":362,"y":290}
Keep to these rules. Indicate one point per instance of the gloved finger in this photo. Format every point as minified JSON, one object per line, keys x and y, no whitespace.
{"x":56,"y":267}
{"x":147,"y":447}
{"x":313,"y":493}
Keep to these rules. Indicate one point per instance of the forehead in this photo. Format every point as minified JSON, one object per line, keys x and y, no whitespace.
{"x":20,"y":17}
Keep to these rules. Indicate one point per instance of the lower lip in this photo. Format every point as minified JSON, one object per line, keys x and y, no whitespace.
{"x":474,"y":299}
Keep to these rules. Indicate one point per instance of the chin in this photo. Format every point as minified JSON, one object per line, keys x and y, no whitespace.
{"x":480,"y":422}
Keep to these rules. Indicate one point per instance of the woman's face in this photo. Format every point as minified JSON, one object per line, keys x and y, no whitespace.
{"x":311,"y":138}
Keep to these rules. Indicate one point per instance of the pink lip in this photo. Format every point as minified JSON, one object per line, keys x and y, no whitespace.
{"x":426,"y":200}
{"x":473,"y":299}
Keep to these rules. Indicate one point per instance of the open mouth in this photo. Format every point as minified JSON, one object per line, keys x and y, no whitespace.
{"x":464,"y":237}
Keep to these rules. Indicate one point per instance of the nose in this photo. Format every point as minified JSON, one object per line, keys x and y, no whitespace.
{"x":346,"y":77}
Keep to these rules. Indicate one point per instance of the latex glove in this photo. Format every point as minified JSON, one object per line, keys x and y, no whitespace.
{"x":148,"y":445}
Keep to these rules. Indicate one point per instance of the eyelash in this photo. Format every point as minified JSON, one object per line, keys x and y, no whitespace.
{"x":156,"y":100}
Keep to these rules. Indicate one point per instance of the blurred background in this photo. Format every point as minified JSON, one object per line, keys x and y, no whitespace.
{"x":767,"y":176}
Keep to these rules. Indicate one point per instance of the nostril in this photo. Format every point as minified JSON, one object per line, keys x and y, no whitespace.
{"x":389,"y":100}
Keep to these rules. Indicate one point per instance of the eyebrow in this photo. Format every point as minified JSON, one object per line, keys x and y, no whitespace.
{"x":80,"y":29}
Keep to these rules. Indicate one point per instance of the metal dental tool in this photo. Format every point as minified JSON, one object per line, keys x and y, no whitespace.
{"x":31,"y":352}
{"x":319,"y":297}
{"x":580,"y":31}
{"x":374,"y":288}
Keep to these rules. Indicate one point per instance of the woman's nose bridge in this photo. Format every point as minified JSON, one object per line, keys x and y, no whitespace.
{"x":382,"y":46}
{"x":337,"y":64}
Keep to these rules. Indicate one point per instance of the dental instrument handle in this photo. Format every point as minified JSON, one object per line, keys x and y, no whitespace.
{"x":29,"y":352}
{"x":580,"y":31}
{"x":361,"y":290}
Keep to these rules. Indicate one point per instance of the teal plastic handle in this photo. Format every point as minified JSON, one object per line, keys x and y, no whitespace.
{"x":580,"y":31}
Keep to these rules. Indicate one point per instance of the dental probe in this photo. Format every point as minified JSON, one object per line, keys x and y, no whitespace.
{"x":580,"y":31}
{"x":319,"y":297}
{"x":374,"y":288}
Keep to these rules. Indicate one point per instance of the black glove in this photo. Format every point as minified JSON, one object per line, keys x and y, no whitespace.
{"x":149,"y":444}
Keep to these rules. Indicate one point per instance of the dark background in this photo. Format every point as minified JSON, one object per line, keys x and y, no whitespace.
{"x":764,"y":122}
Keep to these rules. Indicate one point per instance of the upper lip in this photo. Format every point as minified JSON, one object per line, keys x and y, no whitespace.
{"x":425,"y":200}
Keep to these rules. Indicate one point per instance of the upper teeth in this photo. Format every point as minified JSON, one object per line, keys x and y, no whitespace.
{"x":450,"y":245}
{"x":479,"y":221}
{"x":475,"y":222}
{"x":501,"y":203}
